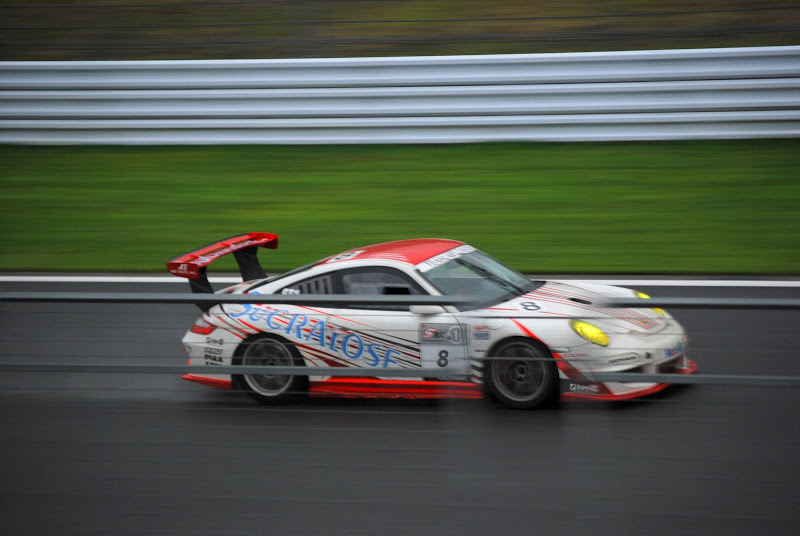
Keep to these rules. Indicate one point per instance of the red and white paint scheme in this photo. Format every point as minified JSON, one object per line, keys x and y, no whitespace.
{"x":525,"y":343}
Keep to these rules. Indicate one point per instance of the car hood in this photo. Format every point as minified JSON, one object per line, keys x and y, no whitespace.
{"x":585,"y":301}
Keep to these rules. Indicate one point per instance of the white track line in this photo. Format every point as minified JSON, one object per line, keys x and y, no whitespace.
{"x":755,"y":283}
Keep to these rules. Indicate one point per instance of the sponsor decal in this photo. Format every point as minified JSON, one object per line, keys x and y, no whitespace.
{"x":301,"y":328}
{"x":432,"y":334}
{"x":455,"y":378}
{"x":221,"y":253}
{"x":345,"y":256}
{"x":584,"y":388}
{"x":213,"y":356}
{"x":441,"y":333}
{"x":442,"y":258}
{"x":184,"y":269}
{"x":623,"y":359}
{"x":480,"y":332}
{"x":574,"y":355}
{"x":672,"y":351}
{"x":290,"y":291}
{"x":211,"y":340}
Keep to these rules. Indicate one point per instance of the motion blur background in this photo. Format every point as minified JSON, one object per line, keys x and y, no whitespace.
{"x":149,"y":454}
{"x":702,"y":206}
{"x":209,"y":29}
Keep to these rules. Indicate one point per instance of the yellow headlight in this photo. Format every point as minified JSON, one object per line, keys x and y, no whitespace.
{"x":590,"y":332}
{"x":644,"y":296}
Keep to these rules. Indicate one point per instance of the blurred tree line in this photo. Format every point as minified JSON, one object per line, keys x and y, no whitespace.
{"x":208,"y":29}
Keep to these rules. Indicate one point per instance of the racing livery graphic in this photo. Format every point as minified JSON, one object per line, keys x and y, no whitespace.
{"x":525,"y":343}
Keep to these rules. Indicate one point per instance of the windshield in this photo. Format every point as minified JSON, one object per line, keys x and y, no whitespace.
{"x":466,"y":271}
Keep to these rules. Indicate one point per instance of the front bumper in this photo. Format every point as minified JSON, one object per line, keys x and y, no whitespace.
{"x":587,"y":390}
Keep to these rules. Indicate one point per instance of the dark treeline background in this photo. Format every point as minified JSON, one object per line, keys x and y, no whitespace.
{"x":207,"y":29}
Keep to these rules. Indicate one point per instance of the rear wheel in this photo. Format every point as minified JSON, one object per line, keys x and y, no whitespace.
{"x":522,"y":374}
{"x":267,"y":351}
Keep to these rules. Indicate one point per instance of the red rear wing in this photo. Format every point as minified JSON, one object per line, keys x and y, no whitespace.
{"x":244,"y":247}
{"x":190,"y":265}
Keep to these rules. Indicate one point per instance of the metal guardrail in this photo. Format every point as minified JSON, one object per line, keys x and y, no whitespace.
{"x":716,"y":379}
{"x":662,"y":94}
{"x":307,"y":299}
{"x":343,"y":299}
{"x":708,"y":303}
{"x":74,"y":297}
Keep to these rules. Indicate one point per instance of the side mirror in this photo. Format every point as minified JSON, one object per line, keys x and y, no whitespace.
{"x":426,"y":309}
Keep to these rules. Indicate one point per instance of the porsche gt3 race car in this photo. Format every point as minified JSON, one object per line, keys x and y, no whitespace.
{"x":523,"y":342}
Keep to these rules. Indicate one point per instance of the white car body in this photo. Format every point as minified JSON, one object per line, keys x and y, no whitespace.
{"x":461,"y":340}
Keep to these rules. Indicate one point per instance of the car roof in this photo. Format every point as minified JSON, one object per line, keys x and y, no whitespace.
{"x":412,"y":251}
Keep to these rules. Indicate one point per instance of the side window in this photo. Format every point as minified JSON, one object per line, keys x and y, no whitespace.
{"x":378,"y":283}
{"x":316,"y":285}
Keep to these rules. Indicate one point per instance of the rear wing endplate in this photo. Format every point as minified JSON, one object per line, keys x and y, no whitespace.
{"x":244,"y":247}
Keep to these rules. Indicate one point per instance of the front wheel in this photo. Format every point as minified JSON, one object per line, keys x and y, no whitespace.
{"x":270,"y":388}
{"x":522,"y":375}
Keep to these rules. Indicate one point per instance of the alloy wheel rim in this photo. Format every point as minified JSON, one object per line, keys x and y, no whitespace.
{"x":519,"y":373}
{"x":268,"y":353}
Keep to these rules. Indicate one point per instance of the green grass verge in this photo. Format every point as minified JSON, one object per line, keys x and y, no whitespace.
{"x":685,"y":207}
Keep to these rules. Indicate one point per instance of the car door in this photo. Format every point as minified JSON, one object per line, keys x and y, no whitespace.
{"x":307,"y":327}
{"x":391,"y":336}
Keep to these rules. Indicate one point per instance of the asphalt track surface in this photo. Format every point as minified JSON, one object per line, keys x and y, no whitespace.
{"x":140,"y":454}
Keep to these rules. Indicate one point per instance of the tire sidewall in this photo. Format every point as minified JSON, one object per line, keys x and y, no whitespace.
{"x":549,"y":394}
{"x":298,"y":385}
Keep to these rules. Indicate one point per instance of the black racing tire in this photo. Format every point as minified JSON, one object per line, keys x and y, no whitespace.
{"x":270,"y":350}
{"x":521,"y":374}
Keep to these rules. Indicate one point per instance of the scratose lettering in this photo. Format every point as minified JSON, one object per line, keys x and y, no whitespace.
{"x":301,"y":328}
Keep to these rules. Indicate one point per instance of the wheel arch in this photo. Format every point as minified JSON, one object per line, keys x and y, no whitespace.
{"x":238,"y":380}
{"x":238,"y":352}
{"x":500,"y":342}
{"x":551,"y":398}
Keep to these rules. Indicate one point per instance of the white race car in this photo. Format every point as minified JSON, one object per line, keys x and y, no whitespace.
{"x":528,"y":343}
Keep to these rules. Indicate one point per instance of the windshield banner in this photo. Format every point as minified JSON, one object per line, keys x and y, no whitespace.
{"x":442,"y":258}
